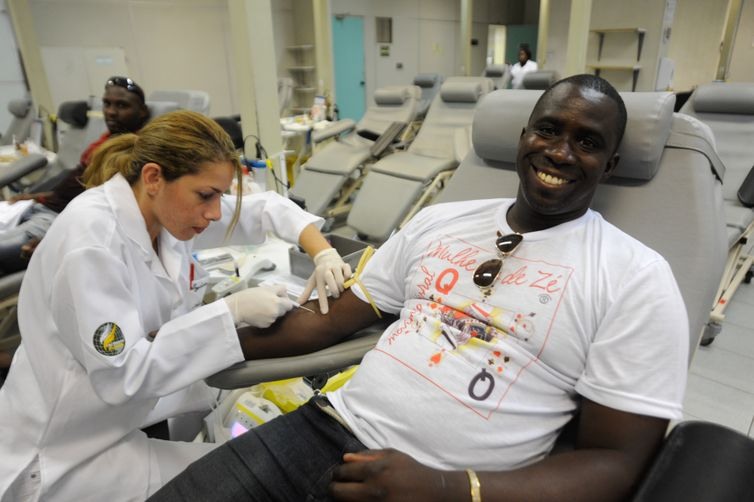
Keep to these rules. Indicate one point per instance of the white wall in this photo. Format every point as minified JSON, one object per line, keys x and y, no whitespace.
{"x":742,"y":59}
{"x":12,"y":85}
{"x":169,"y":44}
{"x":557,"y":36}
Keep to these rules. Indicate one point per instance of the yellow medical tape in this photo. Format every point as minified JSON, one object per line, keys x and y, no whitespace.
{"x":356,"y":278}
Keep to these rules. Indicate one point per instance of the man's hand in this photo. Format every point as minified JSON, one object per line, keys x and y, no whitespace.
{"x":21,"y":196}
{"x":393,"y":476}
{"x":28,"y":249}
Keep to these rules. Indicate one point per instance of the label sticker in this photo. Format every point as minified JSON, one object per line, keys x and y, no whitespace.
{"x":109,"y":339}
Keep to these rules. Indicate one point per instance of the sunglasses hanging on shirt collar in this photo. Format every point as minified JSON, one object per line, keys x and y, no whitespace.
{"x":487,"y":272}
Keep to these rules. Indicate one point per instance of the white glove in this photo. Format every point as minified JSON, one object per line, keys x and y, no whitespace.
{"x":259,"y":306}
{"x":330,"y":272}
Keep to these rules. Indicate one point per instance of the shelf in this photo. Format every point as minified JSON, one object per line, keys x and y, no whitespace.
{"x":300,"y":47}
{"x":305,"y":89}
{"x":301,"y":68}
{"x":640,"y":32}
{"x":632,"y":68}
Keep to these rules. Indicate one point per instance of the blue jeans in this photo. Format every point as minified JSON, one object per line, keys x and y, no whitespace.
{"x":290,"y":458}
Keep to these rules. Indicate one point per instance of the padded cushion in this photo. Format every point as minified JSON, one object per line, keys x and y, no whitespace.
{"x":19,"y":107}
{"x":74,"y":113}
{"x":494,"y":71}
{"x":730,"y":97}
{"x":391,"y":95}
{"x":459,"y":91}
{"x":426,"y":79}
{"x":412,"y":167}
{"x":541,"y":79}
{"x":495,"y":137}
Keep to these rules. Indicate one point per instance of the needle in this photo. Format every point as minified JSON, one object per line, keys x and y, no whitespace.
{"x":297,"y":305}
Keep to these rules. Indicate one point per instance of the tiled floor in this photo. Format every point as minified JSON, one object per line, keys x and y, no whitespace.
{"x":721,"y":380}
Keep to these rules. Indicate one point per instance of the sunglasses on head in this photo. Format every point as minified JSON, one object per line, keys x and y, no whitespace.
{"x":127,"y":84}
{"x":487,"y":272}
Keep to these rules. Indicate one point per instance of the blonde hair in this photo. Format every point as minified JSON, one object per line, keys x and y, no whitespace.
{"x":179,"y":142}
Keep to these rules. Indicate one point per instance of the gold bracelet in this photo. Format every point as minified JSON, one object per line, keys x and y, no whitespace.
{"x":476,"y":486}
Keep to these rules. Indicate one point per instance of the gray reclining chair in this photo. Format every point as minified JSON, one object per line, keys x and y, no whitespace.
{"x":22,"y":115}
{"x":430,"y":84}
{"x":331,"y":175}
{"x":400,"y":184}
{"x":500,"y":75}
{"x":540,"y":79}
{"x":728,"y":110}
{"x":653,"y":178}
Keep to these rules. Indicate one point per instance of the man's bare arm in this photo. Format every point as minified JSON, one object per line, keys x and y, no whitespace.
{"x":301,"y":331}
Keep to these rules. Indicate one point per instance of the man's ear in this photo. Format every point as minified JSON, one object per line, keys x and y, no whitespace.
{"x":611,"y":164}
{"x":151,"y":177}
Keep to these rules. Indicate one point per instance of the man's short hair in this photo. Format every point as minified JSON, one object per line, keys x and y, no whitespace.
{"x":526,"y":49}
{"x":128,"y":84}
{"x":588,"y":81}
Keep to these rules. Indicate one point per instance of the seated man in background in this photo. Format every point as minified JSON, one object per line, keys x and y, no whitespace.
{"x":514,"y":315}
{"x":125,"y":110}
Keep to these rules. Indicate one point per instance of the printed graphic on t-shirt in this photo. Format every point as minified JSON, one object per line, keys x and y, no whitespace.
{"x":488,"y":341}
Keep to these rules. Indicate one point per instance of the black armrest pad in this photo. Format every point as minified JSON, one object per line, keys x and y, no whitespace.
{"x":386,"y":138}
{"x":701,"y":461}
{"x":746,"y":190}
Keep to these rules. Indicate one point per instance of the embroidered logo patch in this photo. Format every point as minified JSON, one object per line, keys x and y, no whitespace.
{"x":109,"y":340}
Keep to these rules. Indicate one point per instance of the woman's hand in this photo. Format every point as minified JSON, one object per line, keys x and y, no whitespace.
{"x":260,"y":306}
{"x":330,"y":273}
{"x":392,"y":476}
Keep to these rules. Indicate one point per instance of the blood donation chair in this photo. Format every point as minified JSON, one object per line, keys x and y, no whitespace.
{"x":400,"y":184}
{"x":330,"y":176}
{"x":728,"y":110}
{"x":665,"y":195}
{"x":540,"y":79}
{"x":22,"y":115}
{"x":500,"y":75}
{"x":430,"y":84}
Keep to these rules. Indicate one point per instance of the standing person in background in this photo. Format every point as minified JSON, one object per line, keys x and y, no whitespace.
{"x":525,"y":65}
{"x":114,"y":333}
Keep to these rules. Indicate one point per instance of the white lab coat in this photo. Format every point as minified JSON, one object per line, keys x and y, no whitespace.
{"x":518,"y":72}
{"x":76,"y":409}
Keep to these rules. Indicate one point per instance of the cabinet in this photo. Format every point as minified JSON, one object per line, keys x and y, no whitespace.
{"x":634,"y":67}
{"x":303,"y":72}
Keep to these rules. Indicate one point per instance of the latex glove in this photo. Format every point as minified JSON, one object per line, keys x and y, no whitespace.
{"x":259,"y":306}
{"x":330,"y":272}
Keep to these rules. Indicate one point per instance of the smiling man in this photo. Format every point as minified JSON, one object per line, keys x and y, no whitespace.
{"x":124,"y":110}
{"x":513,"y":315}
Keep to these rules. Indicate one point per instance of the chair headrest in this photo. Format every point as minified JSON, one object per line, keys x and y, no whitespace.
{"x":426,"y":79}
{"x":157,"y":108}
{"x":396,"y":94}
{"x":233,"y":128}
{"x":540,"y":79}
{"x":465,"y":89}
{"x":502,"y":114}
{"x":725,"y":97}
{"x":19,"y":107}
{"x":74,"y":113}
{"x":494,"y":71}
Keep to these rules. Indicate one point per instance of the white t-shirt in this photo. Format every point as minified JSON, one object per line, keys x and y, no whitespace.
{"x":518,"y":72}
{"x":460,"y":380}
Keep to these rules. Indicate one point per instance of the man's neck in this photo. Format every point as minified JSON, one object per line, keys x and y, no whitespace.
{"x":522,"y":219}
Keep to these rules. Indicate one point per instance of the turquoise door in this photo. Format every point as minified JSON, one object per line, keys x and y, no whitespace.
{"x":348,"y":55}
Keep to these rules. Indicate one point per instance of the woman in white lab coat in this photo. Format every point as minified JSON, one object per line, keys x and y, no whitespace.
{"x":114,"y":333}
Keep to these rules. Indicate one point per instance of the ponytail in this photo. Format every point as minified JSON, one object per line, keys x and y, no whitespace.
{"x":114,"y":156}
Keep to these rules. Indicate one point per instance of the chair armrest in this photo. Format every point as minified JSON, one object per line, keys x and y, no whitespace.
{"x":21,"y":167}
{"x":335,"y":129}
{"x":332,"y":358}
{"x":11,"y":284}
{"x":701,"y":461}
{"x":387,"y":138}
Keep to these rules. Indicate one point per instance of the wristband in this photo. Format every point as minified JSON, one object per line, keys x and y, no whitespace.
{"x":476,"y":486}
